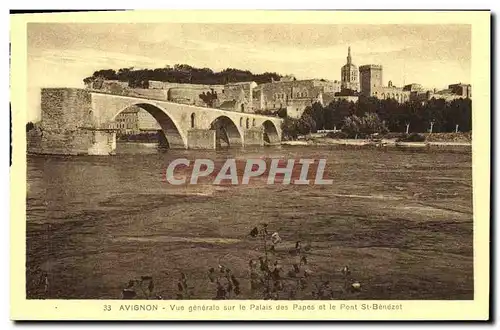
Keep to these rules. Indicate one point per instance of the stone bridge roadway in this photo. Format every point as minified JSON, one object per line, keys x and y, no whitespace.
{"x":184,"y":126}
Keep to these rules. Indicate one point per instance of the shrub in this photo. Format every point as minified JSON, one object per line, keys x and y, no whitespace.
{"x":450,"y":137}
{"x":394,"y":135}
{"x":226,"y":284}
{"x":278,"y":273}
{"x":29,"y":126}
{"x":140,"y":288}
{"x":337,"y":135}
{"x":413,"y":137}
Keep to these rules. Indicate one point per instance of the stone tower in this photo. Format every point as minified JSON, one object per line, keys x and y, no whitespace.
{"x":371,"y":77}
{"x":349,"y":74}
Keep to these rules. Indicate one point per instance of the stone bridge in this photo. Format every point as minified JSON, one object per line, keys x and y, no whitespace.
{"x":79,"y":121}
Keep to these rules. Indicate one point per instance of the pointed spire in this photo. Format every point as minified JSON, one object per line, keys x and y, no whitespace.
{"x":349,"y":59}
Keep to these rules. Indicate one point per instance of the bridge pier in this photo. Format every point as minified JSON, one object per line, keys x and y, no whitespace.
{"x":253,"y":137}
{"x":103,"y":143}
{"x":201,"y":139}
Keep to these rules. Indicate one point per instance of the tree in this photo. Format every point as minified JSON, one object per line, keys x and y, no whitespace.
{"x":282,"y":113}
{"x":209,"y":98}
{"x":336,"y":111}
{"x":183,"y":73}
{"x":88,"y":80}
{"x":317,"y":113}
{"x":306,"y":124}
{"x":372,"y":124}
{"x":29,"y":126}
{"x":289,"y":128}
{"x":352,"y":126}
{"x":367,"y":125}
{"x":107,"y":74}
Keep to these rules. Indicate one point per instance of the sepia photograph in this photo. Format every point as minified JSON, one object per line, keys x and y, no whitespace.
{"x":250,"y":162}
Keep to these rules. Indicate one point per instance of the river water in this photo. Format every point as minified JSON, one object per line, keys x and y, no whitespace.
{"x":401,"y":220}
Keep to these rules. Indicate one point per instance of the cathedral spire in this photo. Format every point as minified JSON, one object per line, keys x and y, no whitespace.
{"x":349,"y":58}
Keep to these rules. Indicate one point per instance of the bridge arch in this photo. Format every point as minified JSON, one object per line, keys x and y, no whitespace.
{"x":227,"y":132}
{"x":270,"y":132}
{"x":174,"y":136}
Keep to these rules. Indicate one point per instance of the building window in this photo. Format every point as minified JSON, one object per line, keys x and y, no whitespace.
{"x":242,"y":108}
{"x":241,"y":122}
{"x":248,"y":123}
{"x":192,"y":120}
{"x":253,"y":122}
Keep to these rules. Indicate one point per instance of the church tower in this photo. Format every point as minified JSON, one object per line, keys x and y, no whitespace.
{"x":349,"y":74}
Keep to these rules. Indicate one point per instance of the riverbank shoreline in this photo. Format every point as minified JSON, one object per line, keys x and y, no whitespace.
{"x":379,"y":143}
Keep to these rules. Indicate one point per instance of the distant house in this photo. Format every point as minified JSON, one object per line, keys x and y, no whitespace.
{"x":135,"y":120}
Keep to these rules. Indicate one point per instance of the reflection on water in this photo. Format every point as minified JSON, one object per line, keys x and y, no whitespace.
{"x":93,"y":220}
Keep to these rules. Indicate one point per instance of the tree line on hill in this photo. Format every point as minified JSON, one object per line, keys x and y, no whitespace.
{"x":370,"y":115}
{"x":182,"y":74}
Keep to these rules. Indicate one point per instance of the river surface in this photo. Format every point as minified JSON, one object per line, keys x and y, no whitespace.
{"x":401,"y":220}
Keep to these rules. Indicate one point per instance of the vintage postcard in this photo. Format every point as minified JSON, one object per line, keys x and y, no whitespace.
{"x":250,"y":165}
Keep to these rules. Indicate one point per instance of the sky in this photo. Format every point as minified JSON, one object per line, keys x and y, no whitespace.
{"x":62,"y":54}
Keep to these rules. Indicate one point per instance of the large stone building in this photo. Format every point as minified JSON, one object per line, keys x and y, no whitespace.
{"x":126,"y":121}
{"x":349,"y":74}
{"x":372,"y":85}
{"x":453,"y":92}
{"x":292,"y":95}
{"x":328,"y":98}
{"x":237,"y":97}
{"x":371,"y":77}
{"x":462,"y":90}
